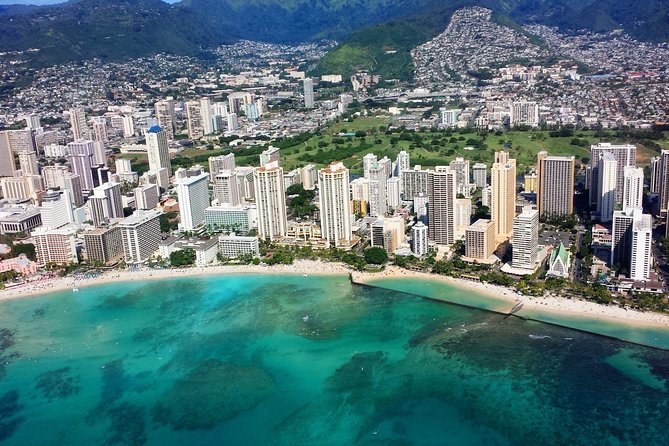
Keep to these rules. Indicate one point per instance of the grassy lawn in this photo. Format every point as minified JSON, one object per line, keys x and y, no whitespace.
{"x":425,"y":148}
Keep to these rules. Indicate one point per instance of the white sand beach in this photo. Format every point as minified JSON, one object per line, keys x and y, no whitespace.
{"x":51,"y":285}
{"x":545,"y":304}
{"x":548,"y":304}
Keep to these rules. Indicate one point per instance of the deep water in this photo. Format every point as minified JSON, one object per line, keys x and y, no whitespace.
{"x":268,"y":360}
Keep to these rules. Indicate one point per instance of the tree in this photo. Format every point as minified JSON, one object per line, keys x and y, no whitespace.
{"x":24,"y":248}
{"x":375,"y":256}
{"x":182,"y":257}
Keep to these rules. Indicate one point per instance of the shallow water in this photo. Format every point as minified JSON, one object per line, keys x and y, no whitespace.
{"x":259,"y":360}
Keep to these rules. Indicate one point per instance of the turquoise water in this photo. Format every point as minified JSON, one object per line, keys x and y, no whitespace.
{"x":645,"y":335}
{"x":267,"y":360}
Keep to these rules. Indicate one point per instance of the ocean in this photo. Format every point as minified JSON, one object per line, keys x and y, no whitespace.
{"x":271,"y":360}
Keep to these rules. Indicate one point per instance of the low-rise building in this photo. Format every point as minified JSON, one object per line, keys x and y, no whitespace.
{"x":21,"y":265}
{"x":558,"y":265}
{"x":205,"y":250}
{"x":15,"y":219}
{"x":233,"y":246}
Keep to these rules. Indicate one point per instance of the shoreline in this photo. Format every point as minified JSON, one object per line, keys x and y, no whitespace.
{"x":533,"y":307}
{"x":37,"y":288}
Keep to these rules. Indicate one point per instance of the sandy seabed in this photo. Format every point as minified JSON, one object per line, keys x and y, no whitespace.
{"x":547,"y":304}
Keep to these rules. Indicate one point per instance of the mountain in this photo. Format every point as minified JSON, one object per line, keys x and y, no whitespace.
{"x":107,"y":29}
{"x":293,"y":21}
{"x":375,"y":33}
{"x":385,"y":48}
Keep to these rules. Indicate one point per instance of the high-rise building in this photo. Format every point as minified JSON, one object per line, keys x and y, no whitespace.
{"x":525,"y":239}
{"x":22,"y":188}
{"x":207,"y":119}
{"x":193,"y":196}
{"x":81,"y":159}
{"x":607,"y":169}
{"x":360,"y":189}
{"x":378,"y":204}
{"x":232,"y":122}
{"x":104,"y":245}
{"x":402,"y":163}
{"x":158,"y":154}
{"x":441,"y":211}
{"x":654,"y":175}
{"x":106,"y":203}
{"x":633,"y":192}
{"x":524,"y":113}
{"x":270,"y":155}
{"x":194,"y":119}
{"x":503,"y":202}
{"x":226,"y":189}
{"x":220,"y":163}
{"x":55,"y":246}
{"x":480,"y":240}
{"x":621,"y":236}
{"x":61,"y":177}
{"x":100,"y":129}
{"x":166,"y":117}
{"x":367,"y":162}
{"x":147,"y":197}
{"x":12,"y":142}
{"x":271,"y":201}
{"x":415,"y":182}
{"x":308,"y":93}
{"x":462,"y":176}
{"x":463,"y":216}
{"x":237,"y":100}
{"x":33,"y":122}
{"x":663,"y":182}
{"x":531,"y":183}
{"x":309,"y":177}
{"x":625,"y":155}
{"x":140,"y":234}
{"x":78,"y":124}
{"x":480,"y":175}
{"x":56,"y":210}
{"x":419,"y":245}
{"x":393,"y":192}
{"x":641,"y":253}
{"x":387,"y":166}
{"x":28,"y":163}
{"x":335,"y":204}
{"x":7,"y":162}
{"x":128,"y":127}
{"x":555,"y":194}
{"x":449,"y":117}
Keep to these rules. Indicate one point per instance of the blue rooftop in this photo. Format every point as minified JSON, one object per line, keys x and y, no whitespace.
{"x":155,"y":129}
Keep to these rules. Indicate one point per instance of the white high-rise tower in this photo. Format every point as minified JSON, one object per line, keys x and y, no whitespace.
{"x":335,"y":202}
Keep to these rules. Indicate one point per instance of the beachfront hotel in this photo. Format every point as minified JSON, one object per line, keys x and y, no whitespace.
{"x":525,"y":239}
{"x":55,"y":246}
{"x":503,"y":200}
{"x":270,"y":201}
{"x":141,"y":235}
{"x":555,"y":194}
{"x":234,"y":246}
{"x":193,"y":194}
{"x":441,"y":211}
{"x":104,"y":245}
{"x":335,"y":204}
{"x":480,"y":240}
